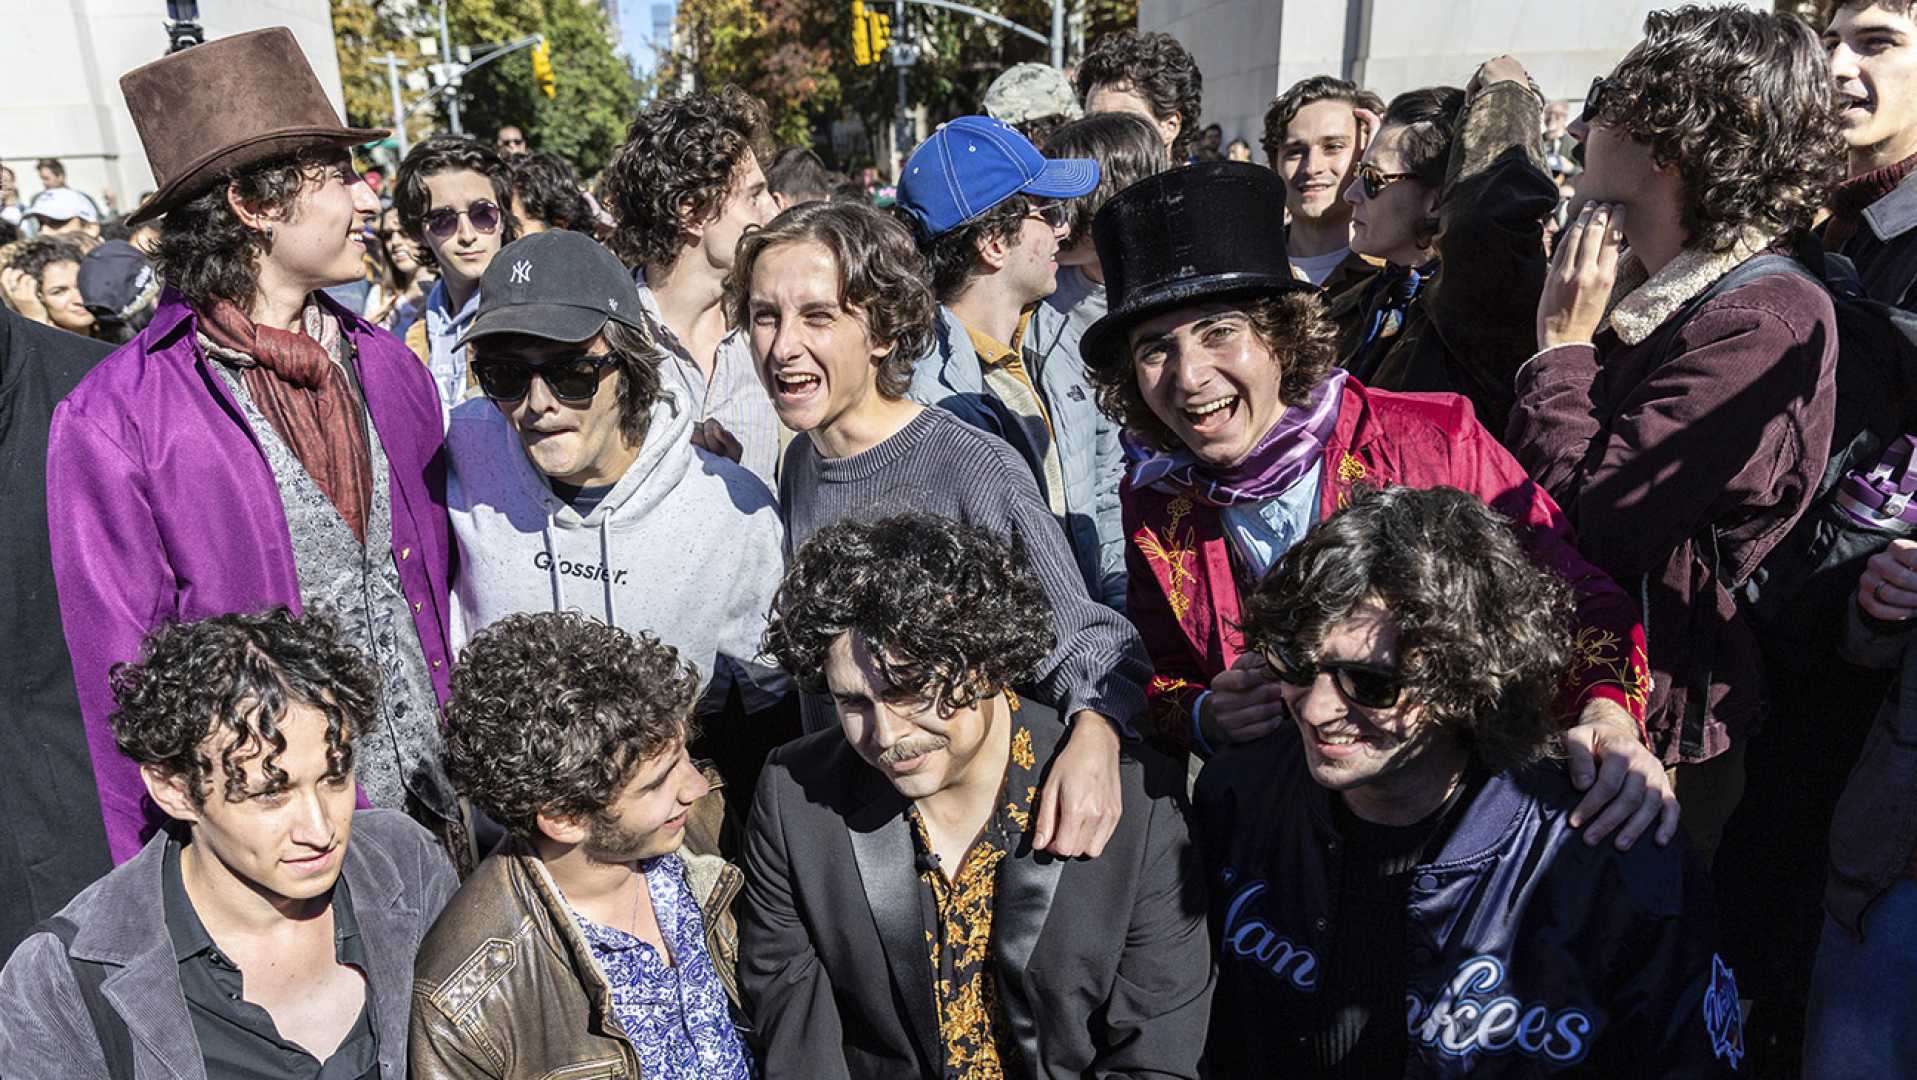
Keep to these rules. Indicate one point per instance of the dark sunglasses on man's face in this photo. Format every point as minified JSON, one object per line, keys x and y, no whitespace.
{"x":574,"y":380}
{"x":1363,"y":685}
{"x":444,"y":221}
{"x":1374,"y":180}
{"x":1594,"y":101}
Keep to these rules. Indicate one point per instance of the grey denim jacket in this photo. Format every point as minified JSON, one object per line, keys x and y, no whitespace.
{"x":399,"y":877}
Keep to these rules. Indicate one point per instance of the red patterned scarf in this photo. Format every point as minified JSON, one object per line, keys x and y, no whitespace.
{"x":309,"y":400}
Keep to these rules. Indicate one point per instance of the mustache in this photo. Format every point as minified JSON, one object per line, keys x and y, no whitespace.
{"x":915,"y":747}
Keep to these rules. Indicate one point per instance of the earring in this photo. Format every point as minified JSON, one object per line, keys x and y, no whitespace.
{"x":269,"y":234}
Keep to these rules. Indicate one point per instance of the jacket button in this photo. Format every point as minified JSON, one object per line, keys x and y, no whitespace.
{"x":405,"y":553}
{"x":415,"y":607}
{"x":1427,"y":882}
{"x":435,"y":665}
{"x":1319,"y":924}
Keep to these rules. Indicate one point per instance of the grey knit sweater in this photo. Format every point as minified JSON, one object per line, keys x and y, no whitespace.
{"x":938,"y":464}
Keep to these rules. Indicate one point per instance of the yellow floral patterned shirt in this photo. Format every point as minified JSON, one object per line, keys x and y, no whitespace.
{"x":958,"y":917}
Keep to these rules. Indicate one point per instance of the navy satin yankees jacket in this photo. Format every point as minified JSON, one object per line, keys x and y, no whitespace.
{"x":1529,"y":953}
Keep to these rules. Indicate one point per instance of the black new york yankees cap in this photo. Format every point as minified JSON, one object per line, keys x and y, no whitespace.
{"x":559,"y":285}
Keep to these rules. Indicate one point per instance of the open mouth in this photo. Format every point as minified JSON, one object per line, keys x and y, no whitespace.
{"x":1212,"y":415}
{"x":796,"y":385}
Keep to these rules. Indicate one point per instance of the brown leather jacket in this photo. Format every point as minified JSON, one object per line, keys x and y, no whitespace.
{"x":505,"y":986}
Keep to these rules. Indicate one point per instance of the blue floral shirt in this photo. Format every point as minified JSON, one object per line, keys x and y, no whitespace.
{"x":676,"y":1015}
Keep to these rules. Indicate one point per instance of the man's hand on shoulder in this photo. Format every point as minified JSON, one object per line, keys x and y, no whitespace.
{"x":1625,"y":786}
{"x":1079,"y":807}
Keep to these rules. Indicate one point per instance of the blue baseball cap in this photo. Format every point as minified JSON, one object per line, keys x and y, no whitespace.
{"x":973,"y":163}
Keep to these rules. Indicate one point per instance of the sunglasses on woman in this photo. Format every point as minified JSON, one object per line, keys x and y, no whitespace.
{"x":444,"y":221}
{"x":1364,"y":685}
{"x":573,"y":381}
{"x":1374,"y":180}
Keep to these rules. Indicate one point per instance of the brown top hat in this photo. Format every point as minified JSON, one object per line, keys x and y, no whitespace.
{"x":224,"y":105}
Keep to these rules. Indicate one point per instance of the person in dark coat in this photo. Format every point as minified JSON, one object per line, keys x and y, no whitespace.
{"x":1452,"y":195}
{"x":1397,"y":888}
{"x":899,"y":920}
{"x":54,"y":843}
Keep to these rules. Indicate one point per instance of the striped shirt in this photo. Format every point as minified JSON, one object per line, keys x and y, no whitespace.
{"x":734,"y":396}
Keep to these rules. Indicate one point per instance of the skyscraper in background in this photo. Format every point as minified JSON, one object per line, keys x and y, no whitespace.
{"x":646,"y":26}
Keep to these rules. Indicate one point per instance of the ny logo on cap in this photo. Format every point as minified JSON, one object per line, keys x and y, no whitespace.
{"x":522,"y":272}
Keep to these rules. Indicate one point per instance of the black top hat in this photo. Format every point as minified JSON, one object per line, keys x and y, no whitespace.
{"x":1195,"y":233}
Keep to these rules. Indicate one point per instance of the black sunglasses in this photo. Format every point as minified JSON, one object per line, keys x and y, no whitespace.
{"x":1363,"y":685}
{"x":573,"y":381}
{"x":1374,"y":180}
{"x":1054,"y":213}
{"x":444,"y":221}
{"x":1594,"y":101}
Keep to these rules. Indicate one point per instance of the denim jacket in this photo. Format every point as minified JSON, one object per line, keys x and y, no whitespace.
{"x":1088,"y":451}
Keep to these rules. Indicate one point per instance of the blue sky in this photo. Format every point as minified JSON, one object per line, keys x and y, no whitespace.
{"x":635,"y":17}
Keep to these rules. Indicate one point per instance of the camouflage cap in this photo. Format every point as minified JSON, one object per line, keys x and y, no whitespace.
{"x":1031,"y":92}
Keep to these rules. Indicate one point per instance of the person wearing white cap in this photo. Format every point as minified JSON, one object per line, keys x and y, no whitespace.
{"x":67,"y":212}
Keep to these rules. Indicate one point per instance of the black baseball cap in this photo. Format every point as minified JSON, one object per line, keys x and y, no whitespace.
{"x":559,"y":285}
{"x":114,"y":279}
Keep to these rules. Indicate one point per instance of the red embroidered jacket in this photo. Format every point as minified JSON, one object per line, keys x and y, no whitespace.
{"x":1183,"y":595}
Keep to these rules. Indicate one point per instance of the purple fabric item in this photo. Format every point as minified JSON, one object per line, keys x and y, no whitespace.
{"x":160,"y":506}
{"x":1290,"y":449}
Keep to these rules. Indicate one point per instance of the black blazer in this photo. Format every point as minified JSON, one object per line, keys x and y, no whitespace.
{"x":1103,"y":965}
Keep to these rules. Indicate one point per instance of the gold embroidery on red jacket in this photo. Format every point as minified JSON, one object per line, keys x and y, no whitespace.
{"x":1176,"y":551}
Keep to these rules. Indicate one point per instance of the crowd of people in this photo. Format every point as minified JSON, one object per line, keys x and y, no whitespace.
{"x":1433,"y":602}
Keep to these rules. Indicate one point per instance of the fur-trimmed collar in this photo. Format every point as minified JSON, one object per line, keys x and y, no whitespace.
{"x":1640,"y":302}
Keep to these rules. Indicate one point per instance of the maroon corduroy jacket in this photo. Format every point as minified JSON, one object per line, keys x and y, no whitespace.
{"x":1714,"y":427}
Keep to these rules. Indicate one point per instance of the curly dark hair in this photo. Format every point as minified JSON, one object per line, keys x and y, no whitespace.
{"x":549,"y":192}
{"x":880,"y":278}
{"x":1309,"y":91}
{"x":952,"y":613}
{"x":443,"y":154}
{"x":1292,"y":325}
{"x":555,"y":712}
{"x":635,"y":356}
{"x":1739,"y":101}
{"x":678,"y":163}
{"x":1158,"y":69}
{"x":206,"y":252}
{"x":233,"y":676}
{"x":1127,"y":149}
{"x":951,"y":257}
{"x":33,"y":255}
{"x":1484,"y":633}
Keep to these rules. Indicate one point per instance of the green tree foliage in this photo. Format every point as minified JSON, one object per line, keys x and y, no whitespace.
{"x":796,"y":55}
{"x":584,"y":123}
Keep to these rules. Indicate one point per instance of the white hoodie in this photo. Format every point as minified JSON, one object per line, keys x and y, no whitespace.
{"x":687,"y":545}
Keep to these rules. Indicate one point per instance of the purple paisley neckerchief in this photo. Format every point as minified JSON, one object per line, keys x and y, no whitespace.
{"x":1289,"y":450}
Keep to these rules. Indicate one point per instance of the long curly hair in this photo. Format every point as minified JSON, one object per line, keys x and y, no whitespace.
{"x":880,"y":278}
{"x":1484,"y":633}
{"x":677,"y":165}
{"x":952,"y":613}
{"x":204,"y":249}
{"x":1158,"y":69}
{"x":1292,"y":326}
{"x":226,"y":682}
{"x":555,"y":712}
{"x":1739,"y":101}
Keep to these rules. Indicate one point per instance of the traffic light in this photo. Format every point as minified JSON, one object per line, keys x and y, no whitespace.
{"x":861,"y":34}
{"x":879,"y":33}
{"x":542,"y":70}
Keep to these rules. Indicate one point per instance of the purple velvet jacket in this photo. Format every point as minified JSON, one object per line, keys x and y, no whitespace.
{"x":161,"y":507}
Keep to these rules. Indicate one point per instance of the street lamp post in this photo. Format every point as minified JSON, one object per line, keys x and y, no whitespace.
{"x":452,"y":75}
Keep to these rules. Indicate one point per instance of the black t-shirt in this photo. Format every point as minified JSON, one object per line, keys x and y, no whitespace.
{"x":1360,"y":1030}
